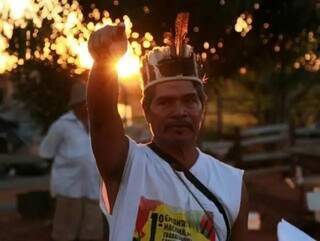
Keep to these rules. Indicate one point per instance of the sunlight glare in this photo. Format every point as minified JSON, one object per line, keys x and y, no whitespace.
{"x":128,"y":65}
{"x":18,"y":8}
{"x":85,"y":58}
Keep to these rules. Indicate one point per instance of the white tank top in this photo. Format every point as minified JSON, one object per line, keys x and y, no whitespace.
{"x":154,"y":205}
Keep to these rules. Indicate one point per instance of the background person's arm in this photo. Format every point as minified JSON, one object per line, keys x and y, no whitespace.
{"x":110,"y":146}
{"x":50,"y":144}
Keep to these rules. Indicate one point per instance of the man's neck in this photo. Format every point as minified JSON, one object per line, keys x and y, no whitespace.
{"x":83,"y":119}
{"x":186,"y":154}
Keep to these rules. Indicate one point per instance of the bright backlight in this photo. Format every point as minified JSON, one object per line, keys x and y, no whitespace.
{"x":128,"y":65}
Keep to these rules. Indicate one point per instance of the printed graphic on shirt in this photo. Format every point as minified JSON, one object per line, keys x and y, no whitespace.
{"x":157,"y":221}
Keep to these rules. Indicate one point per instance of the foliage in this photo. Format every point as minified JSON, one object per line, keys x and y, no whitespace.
{"x":275,"y":57}
{"x":44,"y":89}
{"x":271,"y":61}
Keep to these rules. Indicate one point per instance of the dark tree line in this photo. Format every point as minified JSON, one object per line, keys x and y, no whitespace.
{"x":263,"y":61}
{"x":280,"y":35}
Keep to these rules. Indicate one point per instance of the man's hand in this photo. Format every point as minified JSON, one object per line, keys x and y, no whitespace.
{"x":109,"y":42}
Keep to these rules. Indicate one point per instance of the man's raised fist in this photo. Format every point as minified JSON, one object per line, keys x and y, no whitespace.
{"x":109,"y":42}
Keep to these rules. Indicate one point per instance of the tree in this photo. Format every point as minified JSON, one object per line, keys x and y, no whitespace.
{"x":263,"y":46}
{"x":44,"y":89}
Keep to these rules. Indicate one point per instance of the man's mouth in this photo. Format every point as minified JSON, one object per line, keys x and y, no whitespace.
{"x":179,"y":126}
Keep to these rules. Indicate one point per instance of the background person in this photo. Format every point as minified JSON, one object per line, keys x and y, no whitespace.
{"x":74,"y":176}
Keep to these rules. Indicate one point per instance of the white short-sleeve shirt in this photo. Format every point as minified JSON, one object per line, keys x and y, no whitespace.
{"x":74,"y":172}
{"x":153,"y":203}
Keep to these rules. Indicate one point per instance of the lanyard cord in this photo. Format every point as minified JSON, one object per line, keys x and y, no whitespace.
{"x":210,"y":219}
{"x":195,"y":181}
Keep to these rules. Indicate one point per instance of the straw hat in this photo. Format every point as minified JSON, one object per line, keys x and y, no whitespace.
{"x":78,"y":94}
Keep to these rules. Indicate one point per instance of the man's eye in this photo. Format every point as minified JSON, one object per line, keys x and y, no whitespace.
{"x":163,"y":102}
{"x":192,"y":100}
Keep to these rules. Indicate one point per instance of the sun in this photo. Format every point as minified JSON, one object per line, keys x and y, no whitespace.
{"x":129,"y":65}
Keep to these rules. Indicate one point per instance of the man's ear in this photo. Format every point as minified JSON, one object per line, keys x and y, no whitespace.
{"x":205,"y":100}
{"x":204,"y":108}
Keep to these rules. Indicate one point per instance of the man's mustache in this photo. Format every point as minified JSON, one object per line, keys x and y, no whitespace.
{"x":180,"y":123}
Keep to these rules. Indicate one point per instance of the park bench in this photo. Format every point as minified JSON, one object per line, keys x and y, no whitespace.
{"x":305,"y":154}
{"x":263,"y":146}
{"x":313,"y":203}
{"x":218,"y":149}
{"x":254,"y":148}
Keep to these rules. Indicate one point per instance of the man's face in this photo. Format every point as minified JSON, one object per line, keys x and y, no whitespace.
{"x":175,"y":113}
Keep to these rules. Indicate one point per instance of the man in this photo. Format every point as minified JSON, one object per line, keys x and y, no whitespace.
{"x":146,"y":189}
{"x":74,"y":175}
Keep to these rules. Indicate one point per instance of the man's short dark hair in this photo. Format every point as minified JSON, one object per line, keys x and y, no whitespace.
{"x":150,"y":92}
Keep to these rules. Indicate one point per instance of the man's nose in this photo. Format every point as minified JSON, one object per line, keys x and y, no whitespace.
{"x":179,"y":110}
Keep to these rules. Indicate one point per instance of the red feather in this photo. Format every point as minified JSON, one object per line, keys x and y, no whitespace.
{"x":182,"y":22}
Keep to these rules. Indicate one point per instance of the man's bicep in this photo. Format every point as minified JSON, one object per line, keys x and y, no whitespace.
{"x":110,"y":148}
{"x":240,"y":227}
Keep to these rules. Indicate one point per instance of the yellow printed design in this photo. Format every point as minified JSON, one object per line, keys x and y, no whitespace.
{"x":157,"y":221}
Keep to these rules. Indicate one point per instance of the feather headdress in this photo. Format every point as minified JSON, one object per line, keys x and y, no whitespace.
{"x":176,"y":61}
{"x":182,"y":22}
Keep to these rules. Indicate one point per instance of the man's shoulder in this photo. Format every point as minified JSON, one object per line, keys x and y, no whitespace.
{"x":68,"y":116}
{"x":65,"y":118}
{"x":136,"y":149}
{"x":62,"y":122}
{"x":136,"y":145}
{"x":210,"y":162}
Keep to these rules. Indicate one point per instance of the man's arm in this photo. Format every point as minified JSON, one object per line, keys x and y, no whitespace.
{"x":240,"y":228}
{"x":50,"y":143}
{"x":110,"y":146}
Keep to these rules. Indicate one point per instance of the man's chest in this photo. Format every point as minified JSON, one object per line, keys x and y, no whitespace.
{"x":171,"y":208}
